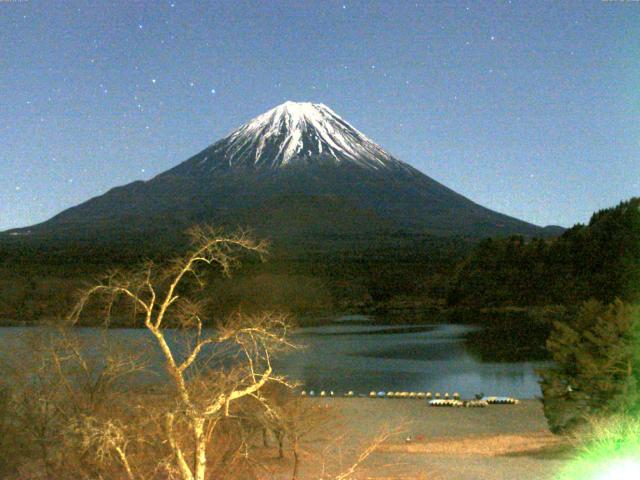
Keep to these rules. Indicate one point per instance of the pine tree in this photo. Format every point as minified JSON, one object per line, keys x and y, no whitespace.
{"x":596,"y":365}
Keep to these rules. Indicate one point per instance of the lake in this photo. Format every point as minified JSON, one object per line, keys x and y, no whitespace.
{"x":356,"y":353}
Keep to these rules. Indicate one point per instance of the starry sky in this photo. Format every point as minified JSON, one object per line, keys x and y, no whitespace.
{"x":531,"y":108}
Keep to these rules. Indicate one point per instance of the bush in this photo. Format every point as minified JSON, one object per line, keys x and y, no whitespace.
{"x":607,"y":447}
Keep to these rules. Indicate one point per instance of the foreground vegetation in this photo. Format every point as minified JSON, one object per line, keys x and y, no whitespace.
{"x":69,"y":412}
{"x":605,"y":447}
{"x":87,"y":410}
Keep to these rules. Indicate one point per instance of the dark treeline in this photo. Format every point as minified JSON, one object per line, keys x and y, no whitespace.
{"x":38,"y":280}
{"x":393,"y":273}
{"x":519,"y":289}
{"x":598,"y":261}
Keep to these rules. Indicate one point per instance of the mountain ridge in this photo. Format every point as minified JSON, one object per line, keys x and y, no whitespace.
{"x":275,"y":174}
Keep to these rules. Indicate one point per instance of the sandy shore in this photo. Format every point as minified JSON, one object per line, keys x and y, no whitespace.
{"x":496,"y":442}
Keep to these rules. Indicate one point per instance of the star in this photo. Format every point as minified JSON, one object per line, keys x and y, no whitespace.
{"x":213,"y":91}
{"x":493,"y":37}
{"x":140,"y":26}
{"x":153,"y":80}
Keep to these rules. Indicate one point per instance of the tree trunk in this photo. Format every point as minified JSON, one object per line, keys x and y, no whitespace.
{"x":183,"y":467}
{"x":200,"y":449}
{"x":280,"y":445}
{"x":296,"y":462}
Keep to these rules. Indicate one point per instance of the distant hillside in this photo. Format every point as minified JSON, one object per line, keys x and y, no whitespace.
{"x":600,"y":260}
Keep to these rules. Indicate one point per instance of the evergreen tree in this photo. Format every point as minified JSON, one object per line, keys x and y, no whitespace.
{"x":596,"y":365}
{"x":600,"y":260}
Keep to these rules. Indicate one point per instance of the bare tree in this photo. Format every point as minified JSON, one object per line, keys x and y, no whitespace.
{"x":76,"y":410}
{"x":35,"y":393}
{"x":51,"y":384}
{"x":215,"y":367}
{"x":292,"y":420}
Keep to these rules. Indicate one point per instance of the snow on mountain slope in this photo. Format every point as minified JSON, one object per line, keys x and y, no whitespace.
{"x":296,"y":171}
{"x":293,"y":133}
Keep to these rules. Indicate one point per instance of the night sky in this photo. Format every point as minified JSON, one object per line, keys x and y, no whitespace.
{"x":531,"y":108}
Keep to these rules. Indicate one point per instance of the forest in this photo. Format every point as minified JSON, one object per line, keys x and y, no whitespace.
{"x":414,"y":277}
{"x":600,"y":260}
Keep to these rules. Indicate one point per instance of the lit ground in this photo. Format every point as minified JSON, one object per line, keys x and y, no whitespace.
{"x":497,"y":442}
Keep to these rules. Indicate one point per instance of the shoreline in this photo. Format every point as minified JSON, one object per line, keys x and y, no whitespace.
{"x":491,"y":443}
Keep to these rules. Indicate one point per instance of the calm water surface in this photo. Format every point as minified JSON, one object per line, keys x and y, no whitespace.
{"x":363,"y":357}
{"x":353,"y":353}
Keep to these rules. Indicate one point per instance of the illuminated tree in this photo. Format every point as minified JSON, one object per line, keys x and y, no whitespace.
{"x":204,"y":391}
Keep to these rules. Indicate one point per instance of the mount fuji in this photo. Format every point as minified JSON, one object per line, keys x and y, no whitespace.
{"x":296,"y":173}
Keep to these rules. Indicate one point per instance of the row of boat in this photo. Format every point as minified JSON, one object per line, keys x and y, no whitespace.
{"x":435,"y":400}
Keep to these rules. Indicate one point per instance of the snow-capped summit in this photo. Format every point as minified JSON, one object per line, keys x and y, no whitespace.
{"x":297,"y":173}
{"x":298,"y":132}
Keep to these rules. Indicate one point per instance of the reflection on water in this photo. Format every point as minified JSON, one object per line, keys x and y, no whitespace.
{"x":381,"y":330}
{"x":353,"y":353}
{"x":346,"y":356}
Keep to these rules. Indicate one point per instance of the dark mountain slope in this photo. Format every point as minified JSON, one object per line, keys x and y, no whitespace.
{"x":296,"y":173}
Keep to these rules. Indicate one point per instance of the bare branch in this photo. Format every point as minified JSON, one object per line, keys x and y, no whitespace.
{"x":194,"y":354}
{"x":379,"y":440}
